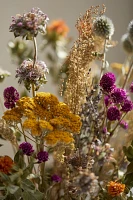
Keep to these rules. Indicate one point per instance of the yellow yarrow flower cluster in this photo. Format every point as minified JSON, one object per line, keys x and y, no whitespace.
{"x":13,"y":116}
{"x":44,"y":115}
{"x":58,"y":136}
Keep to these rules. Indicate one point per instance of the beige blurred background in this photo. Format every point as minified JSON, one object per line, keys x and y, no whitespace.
{"x":120,"y":11}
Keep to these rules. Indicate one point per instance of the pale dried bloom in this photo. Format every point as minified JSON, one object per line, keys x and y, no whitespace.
{"x":6,"y":132}
{"x":80,"y":57}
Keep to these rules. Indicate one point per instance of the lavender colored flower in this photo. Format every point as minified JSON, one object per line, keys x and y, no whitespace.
{"x":29,"y":74}
{"x":131,"y":87}
{"x":42,"y":156}
{"x":127,"y":106}
{"x":29,"y":24}
{"x":124,"y":124}
{"x":113,"y":113}
{"x":56,"y":178}
{"x":27,"y":148}
{"x":11,"y":95}
{"x":107,"y":82}
{"x":118,"y":95}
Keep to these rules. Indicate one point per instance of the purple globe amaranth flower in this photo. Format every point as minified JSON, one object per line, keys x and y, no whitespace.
{"x":107,"y":100}
{"x":127,"y":106}
{"x":29,"y":24}
{"x":107,"y":82}
{"x":104,"y":130}
{"x":42,"y":156}
{"x":11,"y":95}
{"x":118,"y":95}
{"x":27,"y":148}
{"x":124,"y":124}
{"x":56,"y":178}
{"x":131,"y":87}
{"x":113,"y":113}
{"x":32,"y":75}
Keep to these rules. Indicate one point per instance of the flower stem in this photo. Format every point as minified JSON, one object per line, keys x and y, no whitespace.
{"x":34,"y":62}
{"x":42,"y":168}
{"x":112,"y":132}
{"x":35,"y":54}
{"x":128,"y":75}
{"x":104,"y":59}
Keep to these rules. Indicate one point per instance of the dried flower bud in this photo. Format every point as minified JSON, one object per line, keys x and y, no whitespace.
{"x":103,"y":27}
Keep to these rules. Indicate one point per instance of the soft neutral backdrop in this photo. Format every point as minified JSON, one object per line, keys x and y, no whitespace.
{"x":120,"y":11}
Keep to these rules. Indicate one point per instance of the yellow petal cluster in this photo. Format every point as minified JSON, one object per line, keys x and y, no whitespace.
{"x":37,"y":127}
{"x":13,"y":116}
{"x":45,"y":115}
{"x":58,"y":136}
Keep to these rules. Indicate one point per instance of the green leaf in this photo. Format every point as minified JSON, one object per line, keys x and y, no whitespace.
{"x":130,"y":168}
{"x":34,"y":196}
{"x":130,"y":150}
{"x":27,"y":171}
{"x":12,"y":188}
{"x":4,"y":177}
{"x":27,"y":185}
{"x":19,"y":159}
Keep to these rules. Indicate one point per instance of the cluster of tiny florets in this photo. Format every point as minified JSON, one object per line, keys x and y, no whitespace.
{"x":29,"y":24}
{"x":29,"y":74}
{"x":116,"y":99}
{"x":11,"y":96}
{"x":113,"y":113}
{"x":107,"y":81}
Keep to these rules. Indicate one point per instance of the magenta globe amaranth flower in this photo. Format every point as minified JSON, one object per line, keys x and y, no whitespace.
{"x":29,"y":74}
{"x":118,"y":95}
{"x":56,"y":178}
{"x":131,"y":87}
{"x":29,"y":24}
{"x":107,"y":82}
{"x":42,"y":156}
{"x":11,"y":95}
{"x":27,"y":148}
{"x":127,"y":106}
{"x":113,"y":113}
{"x":124,"y":124}
{"x":107,"y":100}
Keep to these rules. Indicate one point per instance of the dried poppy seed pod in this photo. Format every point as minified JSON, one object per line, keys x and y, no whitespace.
{"x":103,"y":27}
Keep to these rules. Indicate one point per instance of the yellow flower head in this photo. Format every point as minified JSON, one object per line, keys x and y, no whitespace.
{"x":115,"y":189}
{"x":44,"y":115}
{"x":58,"y":136}
{"x":13,"y":115}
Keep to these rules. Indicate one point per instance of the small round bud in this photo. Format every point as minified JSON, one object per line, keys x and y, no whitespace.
{"x":103,"y":27}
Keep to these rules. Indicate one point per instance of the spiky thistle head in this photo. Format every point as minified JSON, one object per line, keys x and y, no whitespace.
{"x":103,"y":27}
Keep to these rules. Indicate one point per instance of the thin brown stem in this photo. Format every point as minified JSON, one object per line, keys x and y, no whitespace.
{"x":34,"y":62}
{"x":104,"y":58}
{"x":35,"y":52}
{"x":113,"y":131}
{"x":128,"y":74}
